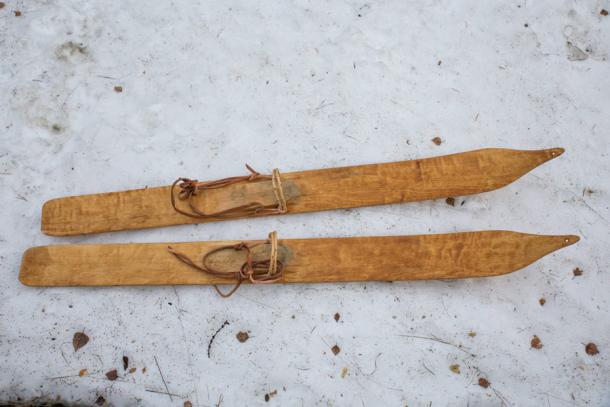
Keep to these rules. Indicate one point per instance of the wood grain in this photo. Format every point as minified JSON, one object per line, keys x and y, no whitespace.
{"x":306,"y":191}
{"x":442,"y":256}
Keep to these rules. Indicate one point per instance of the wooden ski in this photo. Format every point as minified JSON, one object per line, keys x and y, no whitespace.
{"x":297,"y":192}
{"x":392,"y":258}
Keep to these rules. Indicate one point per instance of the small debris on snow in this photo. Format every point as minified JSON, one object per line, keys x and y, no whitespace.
{"x":591,"y":349}
{"x":536,"y":343}
{"x":575,"y":53}
{"x":270,"y":394}
{"x":112,"y":375}
{"x":79,"y":340}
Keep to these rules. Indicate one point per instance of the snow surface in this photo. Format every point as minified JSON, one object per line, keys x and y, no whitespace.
{"x":208,"y":86}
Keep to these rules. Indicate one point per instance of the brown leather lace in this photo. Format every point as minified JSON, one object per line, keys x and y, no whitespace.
{"x":257,"y":272}
{"x":190,"y":187}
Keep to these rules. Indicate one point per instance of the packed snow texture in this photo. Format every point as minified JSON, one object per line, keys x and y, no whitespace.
{"x":209,"y":86}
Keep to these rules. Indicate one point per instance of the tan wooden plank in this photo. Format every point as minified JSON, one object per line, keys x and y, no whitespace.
{"x":306,"y":191}
{"x":442,"y":256}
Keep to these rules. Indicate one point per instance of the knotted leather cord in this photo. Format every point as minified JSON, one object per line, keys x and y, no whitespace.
{"x":190,"y":187}
{"x":257,"y":272}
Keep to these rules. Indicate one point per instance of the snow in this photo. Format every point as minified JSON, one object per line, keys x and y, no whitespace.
{"x":209,"y":86}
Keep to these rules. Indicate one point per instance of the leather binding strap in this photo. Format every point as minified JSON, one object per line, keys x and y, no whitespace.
{"x":190,"y":187}
{"x":256,"y":271}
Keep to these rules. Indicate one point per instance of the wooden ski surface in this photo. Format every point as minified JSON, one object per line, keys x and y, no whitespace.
{"x":393,"y":258}
{"x":306,"y":191}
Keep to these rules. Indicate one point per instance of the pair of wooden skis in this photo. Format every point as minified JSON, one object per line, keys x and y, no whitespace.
{"x":441,"y":256}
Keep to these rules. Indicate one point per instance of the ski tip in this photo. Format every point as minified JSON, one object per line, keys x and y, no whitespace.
{"x":554,"y":152}
{"x":569,"y":240}
{"x":539,"y":157}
